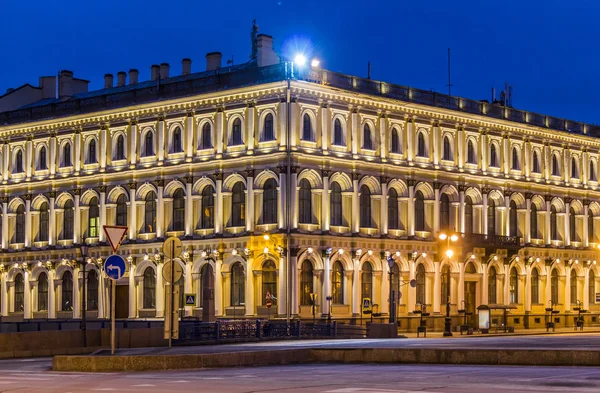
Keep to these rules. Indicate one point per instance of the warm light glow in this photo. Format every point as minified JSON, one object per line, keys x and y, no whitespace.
{"x":315,"y":63}
{"x":454,"y":238}
{"x":300,"y":59}
{"x":359,"y":251}
{"x":495,"y":257}
{"x":517,"y":259}
{"x":266,"y":250}
{"x":145,"y":257}
{"x":397,"y":253}
{"x":473,"y":256}
{"x":266,"y":236}
{"x":449,"y":253}
{"x":557,"y":260}
{"x":370,"y":252}
{"x":310,"y":250}
{"x":203,"y":254}
{"x":443,"y":236}
{"x":234,"y":252}
{"x":537,"y":259}
{"x":576,"y":261}
{"x":341,"y":251}
{"x":424,"y":255}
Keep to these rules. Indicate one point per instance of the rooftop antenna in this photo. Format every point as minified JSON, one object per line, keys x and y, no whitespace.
{"x":253,"y":34}
{"x":368,"y":70}
{"x":230,"y":61}
{"x":449,"y":83}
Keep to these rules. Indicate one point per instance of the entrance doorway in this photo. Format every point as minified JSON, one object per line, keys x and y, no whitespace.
{"x":470,"y":296}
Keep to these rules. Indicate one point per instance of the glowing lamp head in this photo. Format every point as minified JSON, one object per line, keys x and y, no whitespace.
{"x":266,"y":250}
{"x":449,"y":253}
{"x":310,"y":250}
{"x":300,"y":60}
{"x":234,"y":252}
{"x":315,"y":63}
{"x":370,"y":252}
{"x":454,"y":238}
{"x":341,"y":251}
{"x":266,"y":236}
{"x":443,"y":236}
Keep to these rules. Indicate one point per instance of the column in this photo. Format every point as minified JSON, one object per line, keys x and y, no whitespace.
{"x":76,"y":293}
{"x":325,"y":122}
{"x":506,"y":155}
{"x":101,"y":234}
{"x":586,"y":292}
{"x":586,"y":235}
{"x":483,"y":150}
{"x":527,"y":300}
{"x":219,"y":133}
{"x":53,"y":155}
{"x":189,"y":137}
{"x":527,"y":234}
{"x":77,"y":217}
{"x":4,"y":298}
{"x":411,"y":207}
{"x":78,"y":149}
{"x":132,"y":213}
{"x":461,"y":208}
{"x":567,"y":288}
{"x":281,"y":201}
{"x":436,"y":208}
{"x":133,"y":135}
{"x":436,"y":144}
{"x":28,"y":157}
{"x":547,"y":221}
{"x":51,"y":294}
{"x":506,"y":291}
{"x":584,"y":165}
{"x":354,"y":131}
{"x":294,"y":198}
{"x":547,"y":162}
{"x":27,"y":295}
{"x":282,"y":121}
{"x":412,"y":292}
{"x":410,"y":140}
{"x":133,"y":308}
{"x":160,"y":209}
{"x":356,"y":300}
{"x":160,"y":147}
{"x":566,"y":158}
{"x":218,"y":287}
{"x":383,"y":224}
{"x":461,"y":284}
{"x":5,"y":163}
{"x":189,"y":208}
{"x":219,"y":203}
{"x":355,"y":207}
{"x":250,"y":200}
{"x":437,"y":299}
{"x":527,"y":158}
{"x":293,"y":142}
{"x":249,"y":301}
{"x":325,"y":202}
{"x":484,"y":213}
{"x":460,"y":139}
{"x":281,"y":286}
{"x":187,"y":285}
{"x":384,"y":302}
{"x":250,"y":126}
{"x":28,"y":220}
{"x":52,"y":219}
{"x":5,"y":238}
{"x":104,"y":135}
{"x":294,"y":282}
{"x":484,"y":284}
{"x":567,"y":241}
{"x":160,"y":289}
{"x":506,"y":213}
{"x":326,"y":284}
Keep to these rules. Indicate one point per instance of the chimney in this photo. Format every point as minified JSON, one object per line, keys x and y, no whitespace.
{"x":186,"y":66}
{"x":65,"y":83}
{"x":154,"y":72}
{"x":164,"y":70}
{"x":121,"y":76}
{"x":266,"y":55}
{"x":48,"y":86}
{"x":108,"y":81}
{"x":213,"y":61}
{"x":133,"y":76}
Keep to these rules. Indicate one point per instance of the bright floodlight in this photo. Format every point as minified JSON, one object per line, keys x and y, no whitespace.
{"x":300,"y":59}
{"x":449,"y":253}
{"x":315,"y":63}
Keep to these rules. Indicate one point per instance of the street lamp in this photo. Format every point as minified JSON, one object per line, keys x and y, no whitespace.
{"x":84,"y":252}
{"x":391,"y":263}
{"x":449,"y":253}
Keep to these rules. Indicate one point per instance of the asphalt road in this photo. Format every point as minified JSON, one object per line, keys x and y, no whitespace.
{"x":33,"y":375}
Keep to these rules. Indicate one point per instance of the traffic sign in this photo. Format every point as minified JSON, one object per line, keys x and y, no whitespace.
{"x":367,"y":306}
{"x":190,"y":299}
{"x":172,"y":247}
{"x":115,"y":235}
{"x":269,"y":303}
{"x":166,"y":271}
{"x":114,"y":266}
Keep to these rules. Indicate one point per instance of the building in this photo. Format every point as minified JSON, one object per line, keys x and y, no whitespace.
{"x":342,"y":172}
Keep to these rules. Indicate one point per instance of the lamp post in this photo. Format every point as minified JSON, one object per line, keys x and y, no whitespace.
{"x":84,"y":252}
{"x":449,"y":253}
{"x":391,"y":262}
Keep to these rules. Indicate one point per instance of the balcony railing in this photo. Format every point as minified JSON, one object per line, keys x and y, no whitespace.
{"x":492,"y":240}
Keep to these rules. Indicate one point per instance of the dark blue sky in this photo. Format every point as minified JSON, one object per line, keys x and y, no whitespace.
{"x":548,"y":50}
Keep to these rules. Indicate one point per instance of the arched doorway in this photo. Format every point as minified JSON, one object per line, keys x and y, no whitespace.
{"x":207,"y":293}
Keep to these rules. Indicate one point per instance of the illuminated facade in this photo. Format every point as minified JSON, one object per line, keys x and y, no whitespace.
{"x":376,"y":170}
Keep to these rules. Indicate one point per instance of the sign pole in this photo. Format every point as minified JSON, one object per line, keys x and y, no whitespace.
{"x":112,"y":317}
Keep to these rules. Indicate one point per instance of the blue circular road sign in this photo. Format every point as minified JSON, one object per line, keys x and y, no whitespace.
{"x":114,"y":266}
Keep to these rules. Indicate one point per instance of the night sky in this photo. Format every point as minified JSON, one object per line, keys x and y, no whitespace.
{"x":547,"y":50}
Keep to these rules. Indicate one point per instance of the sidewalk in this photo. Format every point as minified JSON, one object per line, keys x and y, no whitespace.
{"x":520,"y":332}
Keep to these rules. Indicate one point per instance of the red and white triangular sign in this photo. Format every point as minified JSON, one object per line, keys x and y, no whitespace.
{"x":115,"y":235}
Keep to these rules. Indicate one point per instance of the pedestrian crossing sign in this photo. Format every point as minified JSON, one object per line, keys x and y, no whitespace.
{"x":190,"y":299}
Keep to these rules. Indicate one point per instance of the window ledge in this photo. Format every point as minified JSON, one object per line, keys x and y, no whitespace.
{"x":92,"y":240}
{"x":147,"y":236}
{"x":235,"y":230}
{"x":16,"y":246}
{"x":204,"y":232}
{"x":339,"y":229}
{"x":65,"y":242}
{"x":369,"y":231}
{"x":175,"y":233}
{"x":266,"y":227}
{"x":40,"y":244}
{"x":308,"y":227}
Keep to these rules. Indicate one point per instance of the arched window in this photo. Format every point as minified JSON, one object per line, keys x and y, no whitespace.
{"x":268,"y":132}
{"x":468,"y":214}
{"x":305,"y":206}
{"x":536,"y":162}
{"x":177,"y":141}
{"x":149,"y":144}
{"x":19,"y":162}
{"x":307,"y":133}
{"x":238,"y":205}
{"x":367,"y":139}
{"x":236,"y":133}
{"x":420,"y":277}
{"x":92,"y":158}
{"x":238,"y":284}
{"x":592,"y":287}
{"x":535,"y":286}
{"x":470,"y":268}
{"x":573,"y":287}
{"x":421,"y":146}
{"x":178,"y":210}
{"x":493,"y":156}
{"x":491,"y":215}
{"x":270,"y":202}
{"x":337,"y":283}
{"x":269,"y":281}
{"x":590,"y":224}
{"x":336,"y":204}
{"x":338,"y":133}
{"x":444,"y":211}
{"x":306,"y":283}
{"x":44,"y":223}
{"x":43,"y":163}
{"x":393,"y":214}
{"x":121,"y":219}
{"x":366,"y":281}
{"x":513,"y":218}
{"x":20,"y":225}
{"x":574,"y":169}
{"x":206,"y":137}
{"x":554,"y":287}
{"x":42,"y":292}
{"x":445,"y":290}
{"x":92,"y":291}
{"x":514,"y":286}
{"x":593,"y":175}
{"x":150,"y":212}
{"x":365,"y":207}
{"x":555,"y":166}
{"x":419,"y":211}
{"x":208,"y":207}
{"x":533,"y":221}
{"x":68,"y":220}
{"x":67,"y":291}
{"x":471,"y":156}
{"x":516,"y":165}
{"x":492,"y":285}
{"x":67,"y":155}
{"x":206,"y":281}
{"x":19,"y":293}
{"x":120,"y":153}
{"x":149,"y":288}
{"x":572,"y":226}
{"x":447,"y":153}
{"x":93,"y":218}
{"x":395,"y":141}
{"x":553,"y":224}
